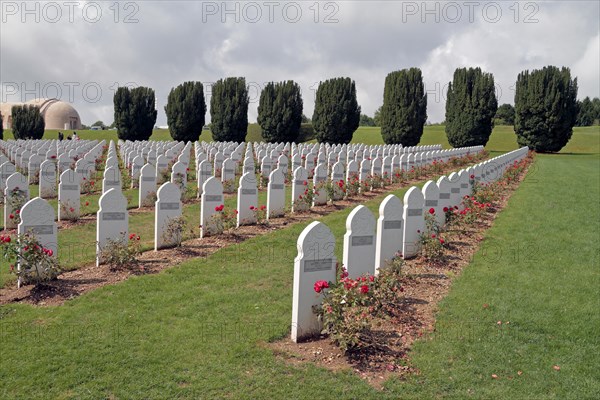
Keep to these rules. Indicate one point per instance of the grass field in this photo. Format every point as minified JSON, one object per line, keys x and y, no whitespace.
{"x":585,"y":140}
{"x":198,"y":330}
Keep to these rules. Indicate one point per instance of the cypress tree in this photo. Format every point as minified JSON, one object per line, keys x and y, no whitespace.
{"x":404,"y":109}
{"x":337,"y":112}
{"x":27,"y":122}
{"x":545,"y":108}
{"x":135,"y":112}
{"x":1,"y":128}
{"x":585,"y":114}
{"x":186,"y":111}
{"x":280,"y":112}
{"x":470,"y":107}
{"x":229,"y":110}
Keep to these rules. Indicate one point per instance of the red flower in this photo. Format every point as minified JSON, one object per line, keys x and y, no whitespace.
{"x":364,"y":289}
{"x":72,"y":209}
{"x":432,"y":210}
{"x":441,"y":241}
{"x":372,"y":278}
{"x":252,"y":208}
{"x":138,"y":237}
{"x":217,"y":209}
{"x":472,"y":176}
{"x":49,"y":252}
{"x":445,"y":209}
{"x":320,"y":285}
{"x":11,"y":216}
{"x":263,"y":208}
{"x":344,"y":273}
{"x":299,"y":197}
{"x":87,"y":203}
{"x":18,"y":212}
{"x":132,"y":236}
{"x":433,"y":235}
{"x":26,"y":248}
{"x":305,"y":183}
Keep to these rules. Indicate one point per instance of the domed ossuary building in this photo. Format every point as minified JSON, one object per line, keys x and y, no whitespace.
{"x":57,"y":114}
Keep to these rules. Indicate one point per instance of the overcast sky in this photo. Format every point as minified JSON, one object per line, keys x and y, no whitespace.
{"x":81,"y":51}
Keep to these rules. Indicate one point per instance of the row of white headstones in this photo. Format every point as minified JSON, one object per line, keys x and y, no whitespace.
{"x":112,"y":217}
{"x":370,"y":244}
{"x":70,"y":182}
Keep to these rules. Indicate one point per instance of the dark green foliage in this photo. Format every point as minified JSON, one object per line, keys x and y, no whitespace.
{"x":470,"y":107}
{"x":280,"y":112}
{"x":404,"y":109}
{"x":337,"y":112}
{"x":135,"y":113}
{"x":506,"y":114}
{"x":1,"y":128}
{"x":587,"y":113}
{"x":365,"y":120}
{"x":27,"y":122}
{"x":186,"y":111}
{"x":545,"y":108}
{"x":229,"y":110}
{"x":377,"y":116}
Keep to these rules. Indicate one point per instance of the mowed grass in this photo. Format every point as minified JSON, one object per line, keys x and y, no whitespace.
{"x":199,"y":330}
{"x":585,"y":139}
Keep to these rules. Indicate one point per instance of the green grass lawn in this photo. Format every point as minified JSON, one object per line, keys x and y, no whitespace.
{"x":197,"y":330}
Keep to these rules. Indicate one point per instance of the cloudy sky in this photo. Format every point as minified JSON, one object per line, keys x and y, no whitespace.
{"x":81,"y":51}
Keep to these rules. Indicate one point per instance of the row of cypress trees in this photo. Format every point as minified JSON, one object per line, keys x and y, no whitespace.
{"x":546,"y":109}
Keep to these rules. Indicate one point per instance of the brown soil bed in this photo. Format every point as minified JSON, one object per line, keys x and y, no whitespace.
{"x":71,"y":284}
{"x":424,"y":286}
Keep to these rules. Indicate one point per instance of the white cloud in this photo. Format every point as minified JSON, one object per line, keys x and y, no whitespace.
{"x":173,"y":42}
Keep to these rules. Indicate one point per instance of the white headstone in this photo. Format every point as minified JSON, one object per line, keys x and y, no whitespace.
{"x":112,"y":220}
{"x":315,"y":262}
{"x":16,"y":194}
{"x":167,"y":208}
{"x":212,"y":197}
{"x":112,"y":179}
{"x":414,"y":222}
{"x":389,"y":231}
{"x":37,"y":219}
{"x":204,"y":172}
{"x":276,"y":194}
{"x":431,"y":194}
{"x":359,"y":243}
{"x":69,"y":198}
{"x":47,"y":179}
{"x":299,"y":188}
{"x":247,"y":200}
{"x":319,"y":182}
{"x":147,"y":186}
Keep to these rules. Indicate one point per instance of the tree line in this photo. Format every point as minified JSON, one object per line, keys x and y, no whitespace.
{"x":545,"y":111}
